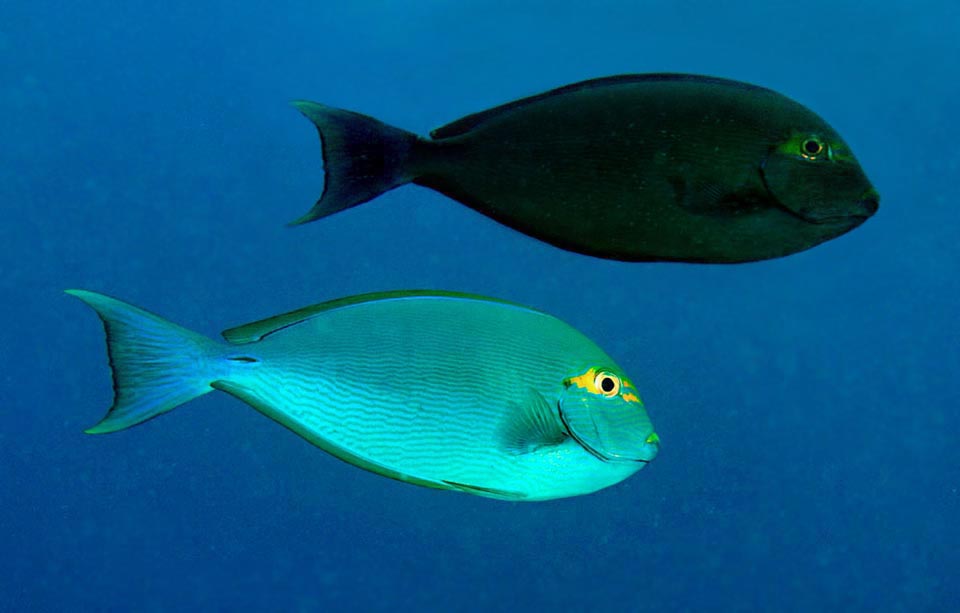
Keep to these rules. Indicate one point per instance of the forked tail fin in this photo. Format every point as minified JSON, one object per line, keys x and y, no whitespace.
{"x":157,"y":365}
{"x":362,"y":158}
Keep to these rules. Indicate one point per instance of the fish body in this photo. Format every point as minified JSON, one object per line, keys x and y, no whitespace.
{"x":635,"y":167}
{"x":443,"y":390}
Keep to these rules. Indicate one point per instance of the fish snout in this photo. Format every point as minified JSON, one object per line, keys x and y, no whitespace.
{"x":869,"y":202}
{"x":650,"y":449}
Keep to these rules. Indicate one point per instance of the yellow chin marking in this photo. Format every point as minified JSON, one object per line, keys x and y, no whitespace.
{"x":588,"y":380}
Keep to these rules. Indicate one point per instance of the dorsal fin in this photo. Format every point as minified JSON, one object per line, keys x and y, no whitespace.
{"x":255,"y":331}
{"x":465,"y":124}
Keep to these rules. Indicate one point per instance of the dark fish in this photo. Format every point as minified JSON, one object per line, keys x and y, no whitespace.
{"x":634,"y":167}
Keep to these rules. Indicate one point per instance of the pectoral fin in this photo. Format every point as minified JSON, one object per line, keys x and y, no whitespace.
{"x":531,"y":424}
{"x":710,"y":198}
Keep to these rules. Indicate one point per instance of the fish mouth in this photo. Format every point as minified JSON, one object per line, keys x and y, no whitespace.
{"x":869,"y":204}
{"x":853,"y":220}
{"x":863,"y":210}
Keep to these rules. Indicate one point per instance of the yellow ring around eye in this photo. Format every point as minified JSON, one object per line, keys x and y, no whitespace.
{"x":811,"y":148}
{"x":607,"y":384}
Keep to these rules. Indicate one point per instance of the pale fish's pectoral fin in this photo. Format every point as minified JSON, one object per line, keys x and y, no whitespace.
{"x":531,"y":424}
{"x":256,"y":400}
{"x":489,"y":492}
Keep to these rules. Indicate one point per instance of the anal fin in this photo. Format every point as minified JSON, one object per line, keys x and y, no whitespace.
{"x":489,"y":492}
{"x":256,"y":400}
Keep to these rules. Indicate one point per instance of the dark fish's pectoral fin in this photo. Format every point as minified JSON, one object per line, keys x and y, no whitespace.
{"x":531,"y":424}
{"x":489,"y":492}
{"x":710,"y":198}
{"x":362,"y":158}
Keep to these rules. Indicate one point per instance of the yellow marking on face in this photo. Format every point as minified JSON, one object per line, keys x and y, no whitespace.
{"x":585,"y":381}
{"x":588,"y":381}
{"x":653,"y":439}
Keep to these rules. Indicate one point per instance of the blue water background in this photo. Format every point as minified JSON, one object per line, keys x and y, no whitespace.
{"x":808,"y":405}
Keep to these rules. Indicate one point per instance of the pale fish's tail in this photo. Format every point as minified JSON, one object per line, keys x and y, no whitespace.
{"x":157,"y":365}
{"x":362,"y":158}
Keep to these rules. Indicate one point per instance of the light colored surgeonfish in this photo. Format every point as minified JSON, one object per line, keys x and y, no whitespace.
{"x":444,"y":390}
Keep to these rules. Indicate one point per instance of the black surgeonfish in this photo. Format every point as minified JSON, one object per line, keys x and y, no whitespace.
{"x":643,"y":167}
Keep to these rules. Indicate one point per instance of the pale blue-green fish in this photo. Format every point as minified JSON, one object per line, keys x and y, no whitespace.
{"x":443,"y":390}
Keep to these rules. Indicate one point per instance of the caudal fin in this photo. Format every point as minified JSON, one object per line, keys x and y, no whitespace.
{"x":157,"y":365}
{"x":362,"y":158}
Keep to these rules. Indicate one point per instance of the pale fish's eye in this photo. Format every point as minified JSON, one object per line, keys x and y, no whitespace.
{"x":811,"y":148}
{"x":607,"y":384}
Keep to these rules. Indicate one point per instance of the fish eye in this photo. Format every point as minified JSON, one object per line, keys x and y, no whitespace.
{"x":811,"y":148}
{"x":608,"y":384}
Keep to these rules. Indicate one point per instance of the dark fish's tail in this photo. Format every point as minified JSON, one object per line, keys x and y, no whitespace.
{"x":362,"y":158}
{"x":157,"y":365}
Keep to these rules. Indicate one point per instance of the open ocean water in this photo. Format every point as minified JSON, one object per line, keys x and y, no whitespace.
{"x":808,"y":406}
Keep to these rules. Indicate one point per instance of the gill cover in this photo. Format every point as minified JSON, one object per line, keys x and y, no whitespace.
{"x":603,"y":412}
{"x":817,"y":178}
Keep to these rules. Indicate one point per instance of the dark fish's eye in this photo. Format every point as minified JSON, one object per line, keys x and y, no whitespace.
{"x":607,"y":384}
{"x":812,"y":147}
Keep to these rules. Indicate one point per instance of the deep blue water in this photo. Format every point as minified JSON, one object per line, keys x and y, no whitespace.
{"x":808,"y":405}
